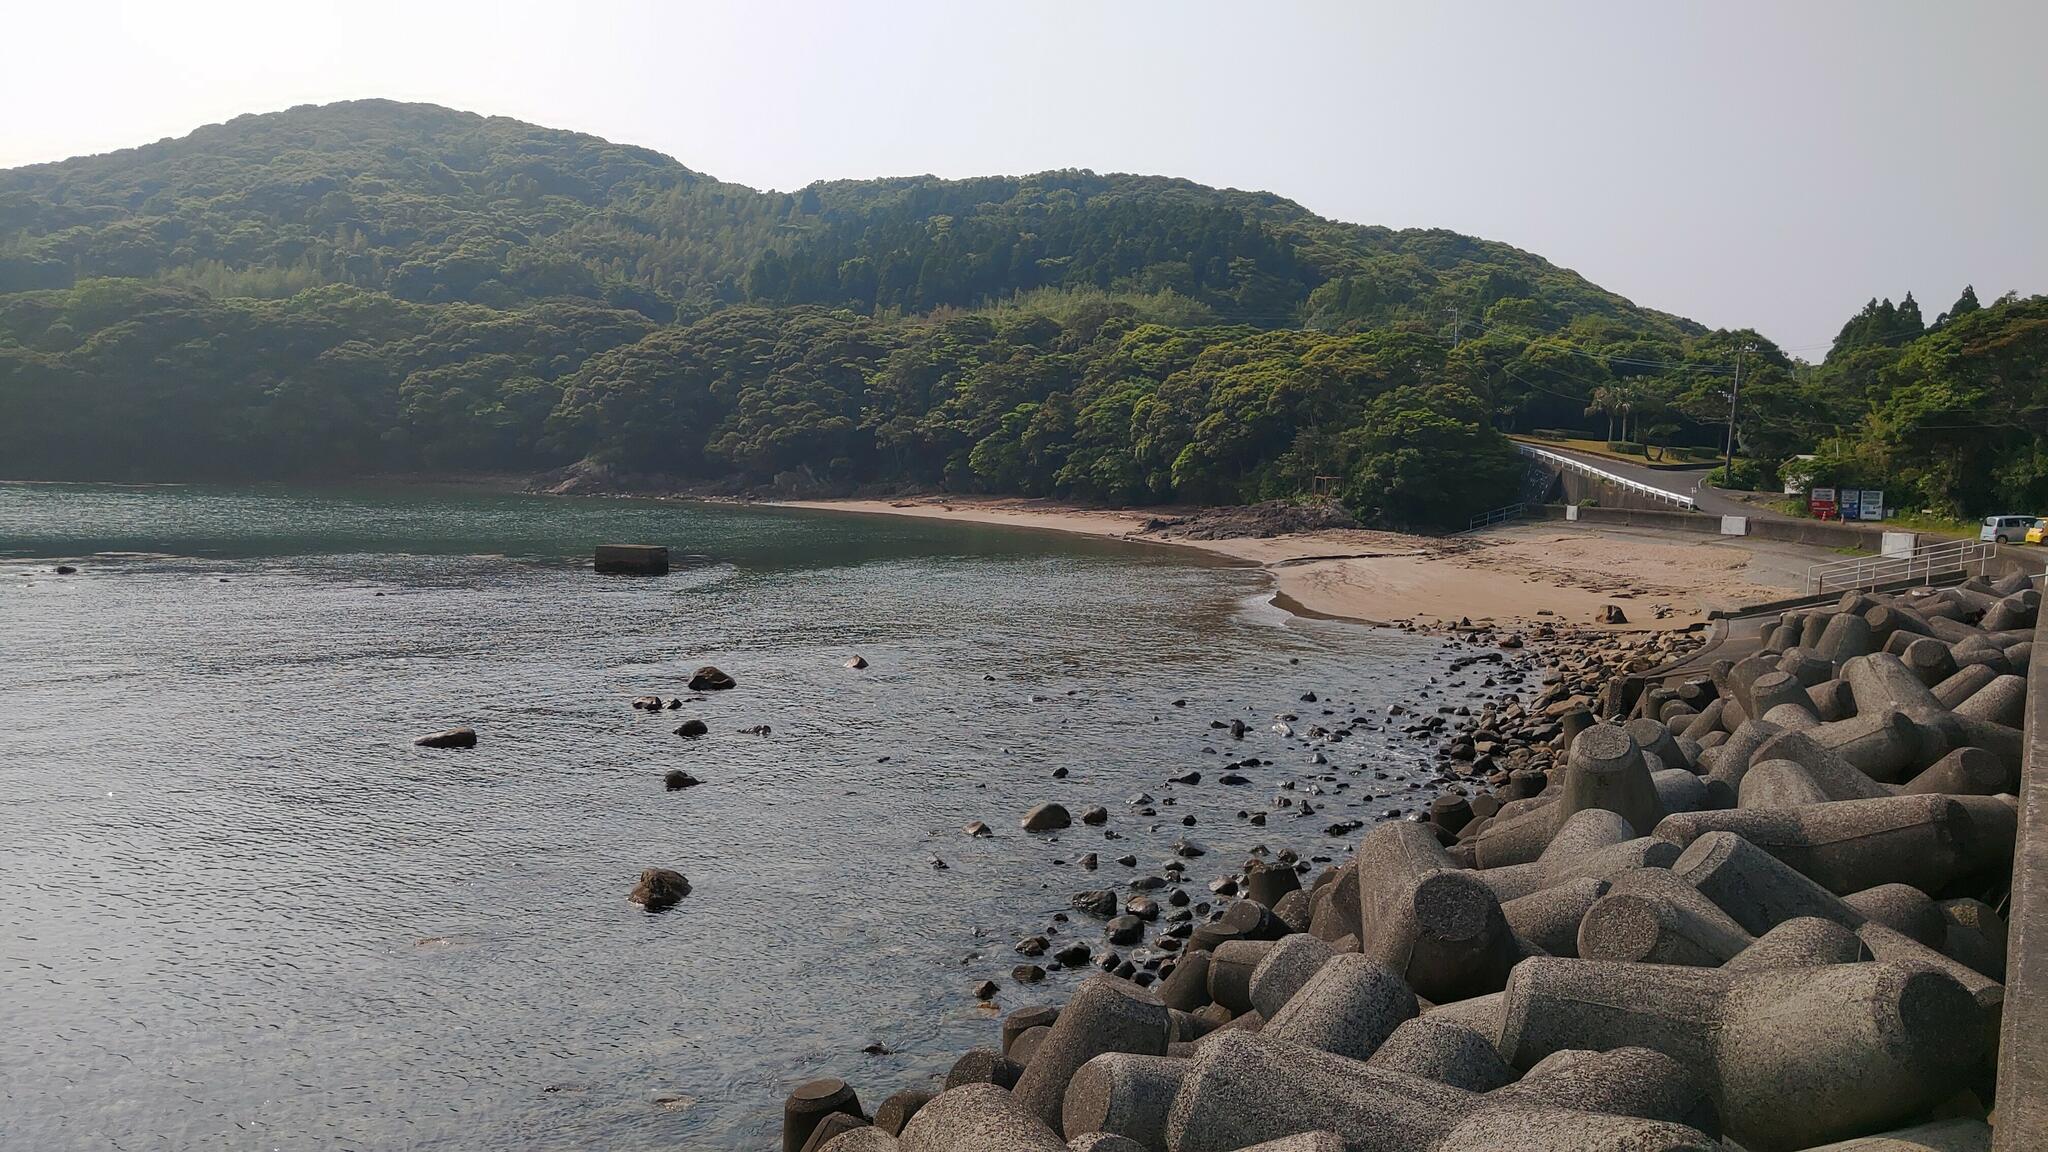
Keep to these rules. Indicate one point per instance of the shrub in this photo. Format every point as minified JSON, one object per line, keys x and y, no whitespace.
{"x":1626,"y":447}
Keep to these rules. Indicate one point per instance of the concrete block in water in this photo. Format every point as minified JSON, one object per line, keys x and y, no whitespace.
{"x":897,"y":1110}
{"x":1231,"y":965}
{"x":1849,"y":845}
{"x":1549,"y":917}
{"x":807,"y":1106}
{"x":832,"y":1128}
{"x":1287,"y":966}
{"x":1348,"y":1007}
{"x":1123,"y":1093}
{"x":632,"y":559}
{"x":983,"y":1066}
{"x":1023,"y":1020}
{"x":1792,"y":1057}
{"x":1439,"y":928}
{"x":1801,"y":942}
{"x":1445,"y":1051}
{"x":978,"y":1118}
{"x":1105,"y":1015}
{"x":1187,"y":987}
{"x":866,"y":1138}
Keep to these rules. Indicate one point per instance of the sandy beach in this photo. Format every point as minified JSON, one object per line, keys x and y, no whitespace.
{"x":1520,"y":573}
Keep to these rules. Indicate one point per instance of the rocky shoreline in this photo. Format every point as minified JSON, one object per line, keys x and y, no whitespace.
{"x":1752,"y":906}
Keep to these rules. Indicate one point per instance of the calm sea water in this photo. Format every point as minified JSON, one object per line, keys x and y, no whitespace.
{"x":243,"y":912}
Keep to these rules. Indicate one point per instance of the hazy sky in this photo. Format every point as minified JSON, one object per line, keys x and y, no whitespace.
{"x":1763,"y":164}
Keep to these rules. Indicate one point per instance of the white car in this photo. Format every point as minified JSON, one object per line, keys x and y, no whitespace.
{"x":2006,"y":529}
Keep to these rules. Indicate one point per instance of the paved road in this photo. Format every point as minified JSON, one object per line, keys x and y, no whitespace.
{"x":1677,"y":481}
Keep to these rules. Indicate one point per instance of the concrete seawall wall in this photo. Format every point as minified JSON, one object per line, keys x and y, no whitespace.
{"x":2023,"y":1045}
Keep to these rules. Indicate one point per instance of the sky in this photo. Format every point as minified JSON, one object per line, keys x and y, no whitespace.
{"x":1765,"y":165}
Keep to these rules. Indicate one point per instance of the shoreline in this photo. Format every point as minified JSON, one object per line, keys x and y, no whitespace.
{"x":1528,"y":574}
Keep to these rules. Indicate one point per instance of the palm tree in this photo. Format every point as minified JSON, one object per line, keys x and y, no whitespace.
{"x":1610,"y":400}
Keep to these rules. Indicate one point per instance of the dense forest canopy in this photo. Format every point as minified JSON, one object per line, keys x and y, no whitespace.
{"x":374,"y":286}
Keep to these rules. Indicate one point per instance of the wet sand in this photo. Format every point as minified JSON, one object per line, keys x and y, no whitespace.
{"x":1517,"y":573}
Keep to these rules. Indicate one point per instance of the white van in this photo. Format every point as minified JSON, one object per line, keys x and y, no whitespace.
{"x":2006,"y":529}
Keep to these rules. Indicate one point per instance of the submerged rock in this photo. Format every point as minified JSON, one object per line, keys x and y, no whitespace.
{"x":1046,"y":818}
{"x":659,"y":889}
{"x":693,"y":729}
{"x":677,"y":780}
{"x":857,"y":662}
{"x":710,"y":679}
{"x":452,"y":738}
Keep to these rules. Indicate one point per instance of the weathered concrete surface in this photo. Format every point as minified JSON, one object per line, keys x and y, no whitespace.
{"x":2023,"y":1044}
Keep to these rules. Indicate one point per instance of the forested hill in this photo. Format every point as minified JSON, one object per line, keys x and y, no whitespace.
{"x":381,"y":287}
{"x":434,"y":205}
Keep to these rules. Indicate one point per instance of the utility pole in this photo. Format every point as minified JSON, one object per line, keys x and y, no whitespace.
{"x":1734,"y":394}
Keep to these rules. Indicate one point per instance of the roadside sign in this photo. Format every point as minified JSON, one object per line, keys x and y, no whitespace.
{"x":1873,"y":504}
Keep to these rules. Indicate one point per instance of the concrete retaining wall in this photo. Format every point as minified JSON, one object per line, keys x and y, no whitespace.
{"x":2023,"y":1044}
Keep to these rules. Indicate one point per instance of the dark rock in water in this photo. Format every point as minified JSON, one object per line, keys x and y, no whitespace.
{"x":674,"y":703}
{"x":1059,"y":773}
{"x":1090,"y":862}
{"x":677,"y":780}
{"x":756,"y":730}
{"x":1612,"y":614}
{"x":452,"y":738}
{"x":1127,"y":860}
{"x":937,"y":864}
{"x":1308,"y":697}
{"x":1185,"y":778}
{"x":693,"y":729}
{"x":710,"y":679}
{"x":1046,"y":818}
{"x":1095,"y":902}
{"x":1027,"y":974}
{"x":978,"y":829}
{"x":1126,"y":929}
{"x":1095,"y":814}
{"x":1033,"y":946}
{"x":1231,"y":778}
{"x":1237,"y":729}
{"x":857,"y":662}
{"x":1182,"y":703}
{"x":986,"y":990}
{"x":66,"y":570}
{"x":647,"y":703}
{"x":660,"y":888}
{"x":1073,"y":955}
{"x":1188,"y":848}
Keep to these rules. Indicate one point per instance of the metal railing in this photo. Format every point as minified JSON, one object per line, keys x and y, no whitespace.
{"x":1500,"y":515}
{"x":1636,"y":486}
{"x":1922,"y":564}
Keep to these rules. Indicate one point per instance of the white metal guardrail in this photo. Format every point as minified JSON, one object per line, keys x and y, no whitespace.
{"x":1573,"y":462}
{"x":1922,"y":564}
{"x":1500,"y":515}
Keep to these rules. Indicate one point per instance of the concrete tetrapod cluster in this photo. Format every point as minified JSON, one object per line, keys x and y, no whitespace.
{"x":1755,"y":910}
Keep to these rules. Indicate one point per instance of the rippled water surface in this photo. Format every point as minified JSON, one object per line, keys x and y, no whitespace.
{"x":242,"y":911}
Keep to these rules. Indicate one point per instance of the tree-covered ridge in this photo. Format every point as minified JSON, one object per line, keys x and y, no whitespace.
{"x":117,"y":379}
{"x":434,"y":205}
